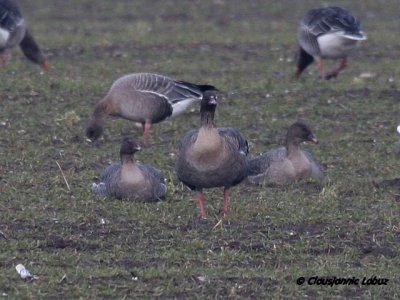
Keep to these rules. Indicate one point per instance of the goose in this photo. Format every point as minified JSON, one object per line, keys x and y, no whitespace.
{"x":212,"y":157}
{"x":13,"y":32}
{"x":146,"y":98}
{"x":327,"y":32}
{"x":130,"y":179}
{"x":289,"y":163}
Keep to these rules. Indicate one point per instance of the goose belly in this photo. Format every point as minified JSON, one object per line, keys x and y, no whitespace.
{"x":151,"y":109}
{"x":4,"y":35}
{"x":224,"y":173}
{"x":335,"y":45}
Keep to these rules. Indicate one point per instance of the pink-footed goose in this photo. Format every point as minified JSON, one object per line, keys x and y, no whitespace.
{"x":212,"y":157}
{"x":146,"y":98}
{"x":130,"y":179}
{"x":327,"y":32}
{"x":289,"y":163}
{"x":13,"y":32}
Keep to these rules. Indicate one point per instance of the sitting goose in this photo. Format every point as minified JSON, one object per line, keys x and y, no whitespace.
{"x":212,"y":157}
{"x":146,"y":98}
{"x":131,"y":180}
{"x":327,"y":32}
{"x":288,"y":163}
{"x":13,"y":32}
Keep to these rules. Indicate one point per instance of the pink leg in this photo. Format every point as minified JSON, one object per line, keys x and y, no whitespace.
{"x":146,"y":132}
{"x":298,"y":73}
{"x":45,"y":65}
{"x":4,"y":58}
{"x":320,"y":65}
{"x":201,"y":200}
{"x":335,"y":72}
{"x":226,"y":202}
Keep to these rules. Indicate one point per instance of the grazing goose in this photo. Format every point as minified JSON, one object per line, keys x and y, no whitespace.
{"x":288,"y":163}
{"x":328,"y":32}
{"x":131,"y":180}
{"x":212,"y":157}
{"x":146,"y":98}
{"x":13,"y":32}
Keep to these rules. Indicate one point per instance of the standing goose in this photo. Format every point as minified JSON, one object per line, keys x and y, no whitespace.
{"x":13,"y":32}
{"x":288,"y":163}
{"x":212,"y":157}
{"x":328,"y":32}
{"x":131,"y":180}
{"x":146,"y":98}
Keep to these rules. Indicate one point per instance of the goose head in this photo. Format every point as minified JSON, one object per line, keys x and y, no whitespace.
{"x":300,"y":132}
{"x":94,"y":130}
{"x":209,"y":101}
{"x":207,"y":108}
{"x":129,"y":147}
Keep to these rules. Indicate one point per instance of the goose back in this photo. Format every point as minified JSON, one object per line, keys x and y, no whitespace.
{"x":12,"y":24}
{"x":320,"y":21}
{"x":154,"y":96}
{"x":137,"y":97}
{"x":137,"y":181}
{"x":328,"y":27}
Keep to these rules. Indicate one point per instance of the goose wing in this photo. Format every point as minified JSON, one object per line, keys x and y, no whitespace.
{"x":320,"y":21}
{"x":188,"y":139}
{"x":109,"y":172}
{"x":262,"y":162}
{"x":235,"y":140}
{"x":156,"y":173}
{"x":10,"y":15}
{"x":157,"y":180}
{"x":102,"y":188}
{"x":317,"y":170}
{"x":182,"y":90}
{"x":172,"y":90}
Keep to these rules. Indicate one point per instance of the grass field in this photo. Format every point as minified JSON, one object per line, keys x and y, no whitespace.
{"x":83,"y":246}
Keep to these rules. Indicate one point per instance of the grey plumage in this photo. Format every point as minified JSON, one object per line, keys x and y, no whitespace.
{"x":10,"y":15}
{"x":281,"y":165}
{"x":212,"y":157}
{"x":146,"y":98}
{"x":153,"y":189}
{"x":327,"y":32}
{"x":11,"y":21}
{"x":326,"y":19}
{"x":131,"y":180}
{"x":13,"y":32}
{"x":320,"y":21}
{"x":317,"y":171}
{"x":228,"y":172}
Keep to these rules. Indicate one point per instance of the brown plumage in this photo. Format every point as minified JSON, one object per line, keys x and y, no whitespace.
{"x":146,"y":98}
{"x":287,"y":163}
{"x":212,"y":157}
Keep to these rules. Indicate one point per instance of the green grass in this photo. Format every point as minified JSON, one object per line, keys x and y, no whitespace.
{"x":83,"y":246}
